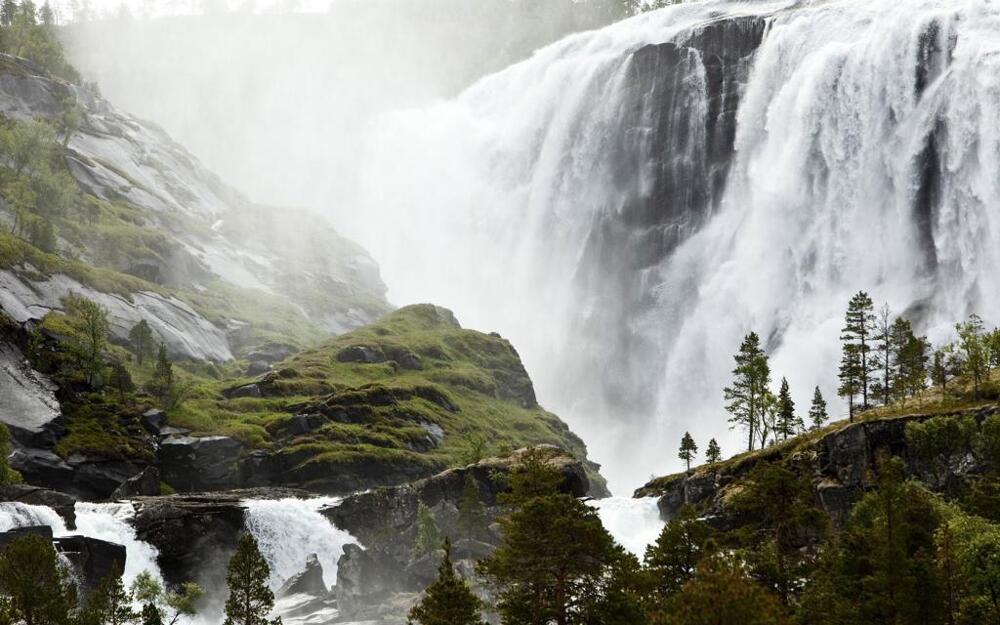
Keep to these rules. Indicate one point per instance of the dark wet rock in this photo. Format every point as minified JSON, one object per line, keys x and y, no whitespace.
{"x":41,"y":466}
{"x":204,"y":463}
{"x":153,"y":421}
{"x":145,"y":484}
{"x":361,"y":353}
{"x":28,"y":404}
{"x":64,"y":505}
{"x":92,"y":559}
{"x":247,"y":390}
{"x":42,"y":531}
{"x":309,"y":581}
{"x":97,"y":478}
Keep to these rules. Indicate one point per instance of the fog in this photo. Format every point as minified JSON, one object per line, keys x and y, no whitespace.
{"x":277,"y":97}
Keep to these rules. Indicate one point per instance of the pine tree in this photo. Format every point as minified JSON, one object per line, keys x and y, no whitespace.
{"x":471,"y":515}
{"x":713,"y":454}
{"x":788,"y":424}
{"x":428,"y":536}
{"x":857,"y":337}
{"x":688,"y":450}
{"x":673,"y":558}
{"x":250,"y":600}
{"x":913,"y":366}
{"x":150,"y":615}
{"x":141,"y":339}
{"x":943,"y":367}
{"x":163,"y":375}
{"x":46,"y":16}
{"x":121,"y":380}
{"x":38,"y":589}
{"x":748,"y":394}
{"x":849,"y":374}
{"x":447,"y":601}
{"x":817,"y":412}
{"x":90,"y":324}
{"x":110,"y":604}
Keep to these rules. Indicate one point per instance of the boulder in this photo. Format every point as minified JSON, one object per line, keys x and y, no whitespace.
{"x":247,"y":390}
{"x":92,"y":559}
{"x":32,"y":530}
{"x":153,"y":421}
{"x":361,"y":353}
{"x":308,"y":582}
{"x":41,"y":466}
{"x":207,"y":463}
{"x":145,"y":484}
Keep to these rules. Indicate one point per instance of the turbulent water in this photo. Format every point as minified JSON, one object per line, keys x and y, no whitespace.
{"x":289,"y":530}
{"x":108,"y":522}
{"x":627,"y":203}
{"x":634,"y":523}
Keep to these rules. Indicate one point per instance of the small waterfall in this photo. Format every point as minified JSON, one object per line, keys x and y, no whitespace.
{"x":289,"y":530}
{"x":634,"y":523}
{"x":108,"y":522}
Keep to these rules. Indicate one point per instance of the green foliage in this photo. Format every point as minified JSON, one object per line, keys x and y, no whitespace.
{"x":471,"y":514}
{"x":673,"y":559}
{"x":687,"y":451}
{"x":89,"y":325}
{"x":788,"y":425}
{"x":713,"y":454}
{"x":38,"y":590}
{"x":29,"y":32}
{"x":936,"y":439}
{"x":7,"y":474}
{"x":428,"y":536}
{"x":448,"y":601}
{"x":250,"y":600}
{"x":975,"y":355}
{"x":748,"y":396}
{"x":817,"y":412}
{"x":120,"y":380}
{"x":142,"y":340}
{"x":162,"y":381}
{"x":109,"y":604}
{"x":858,"y":365}
{"x":160,"y":605}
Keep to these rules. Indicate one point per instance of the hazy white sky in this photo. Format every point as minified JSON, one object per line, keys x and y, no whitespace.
{"x":151,"y":8}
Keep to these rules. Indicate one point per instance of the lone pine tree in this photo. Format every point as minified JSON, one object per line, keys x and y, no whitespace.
{"x":688,"y":450}
{"x":747,"y":396}
{"x":250,"y":599}
{"x":857,"y":336}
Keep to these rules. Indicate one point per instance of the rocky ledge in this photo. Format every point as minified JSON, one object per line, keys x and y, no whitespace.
{"x":841,"y":463}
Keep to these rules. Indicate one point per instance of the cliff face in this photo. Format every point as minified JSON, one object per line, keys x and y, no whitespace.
{"x":842,"y":464}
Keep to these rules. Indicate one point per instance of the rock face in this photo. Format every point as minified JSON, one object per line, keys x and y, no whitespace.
{"x":64,"y":505}
{"x":199,"y":464}
{"x":842,"y":465}
{"x":308,"y":582}
{"x":92,"y":559}
{"x":28,"y":404}
{"x":383,"y":579}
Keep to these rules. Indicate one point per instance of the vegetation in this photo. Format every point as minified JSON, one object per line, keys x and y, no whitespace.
{"x":688,"y":450}
{"x":250,"y":600}
{"x":448,"y":601}
{"x":35,"y":588}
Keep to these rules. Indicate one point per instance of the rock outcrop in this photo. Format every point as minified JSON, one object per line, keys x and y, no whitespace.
{"x":841,"y":464}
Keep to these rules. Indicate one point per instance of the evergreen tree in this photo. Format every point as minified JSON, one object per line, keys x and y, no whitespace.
{"x":554,"y":551}
{"x":857,"y":337}
{"x":788,"y":424}
{"x":900,"y":335}
{"x":747,"y":396}
{"x":471,"y":515}
{"x":121,"y":380}
{"x":109,"y":604}
{"x":7,"y":12}
{"x":38,"y":590}
{"x":721,"y":593}
{"x":975,"y":352}
{"x":428,"y":536}
{"x":688,"y":450}
{"x":913,"y":366}
{"x":162,"y":382}
{"x":943,"y":367}
{"x":250,"y":600}
{"x":46,"y":16}
{"x":448,"y":601}
{"x":713,"y":454}
{"x":817,"y":412}
{"x":674,"y":557}
{"x":28,"y":12}
{"x":849,"y":375}
{"x":150,"y":615}
{"x":141,"y":339}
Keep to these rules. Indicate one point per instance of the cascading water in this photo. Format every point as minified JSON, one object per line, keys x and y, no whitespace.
{"x":289,"y":530}
{"x":629,"y":202}
{"x":108,"y":522}
{"x":634,"y":523}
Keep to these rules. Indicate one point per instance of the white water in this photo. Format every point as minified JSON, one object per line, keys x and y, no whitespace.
{"x":107,"y":522}
{"x":634,"y":523}
{"x":289,"y":530}
{"x":488,"y":203}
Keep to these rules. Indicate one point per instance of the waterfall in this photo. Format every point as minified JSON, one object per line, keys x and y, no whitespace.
{"x":634,"y":523}
{"x":289,"y":530}
{"x":108,"y":522}
{"x":629,"y":202}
